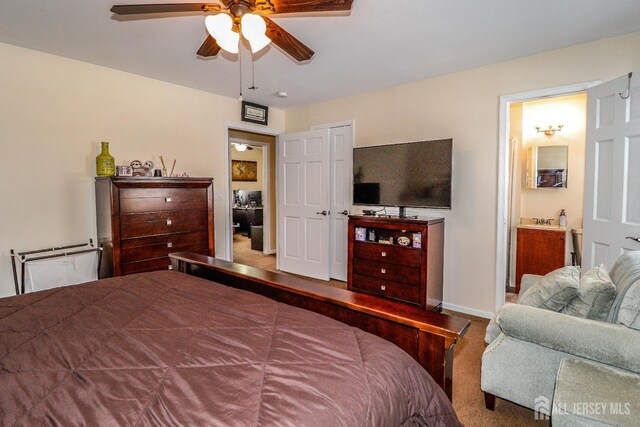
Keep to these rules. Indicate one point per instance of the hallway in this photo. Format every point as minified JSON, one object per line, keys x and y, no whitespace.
{"x":243,"y":254}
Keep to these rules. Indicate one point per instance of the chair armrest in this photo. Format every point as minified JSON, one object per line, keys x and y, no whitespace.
{"x":604,"y":342}
{"x":527,"y":281}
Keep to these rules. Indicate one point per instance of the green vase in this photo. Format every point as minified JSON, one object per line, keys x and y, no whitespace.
{"x":105,"y":164}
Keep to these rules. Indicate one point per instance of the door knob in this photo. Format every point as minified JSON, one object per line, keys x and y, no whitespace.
{"x":324,"y":213}
{"x":344,"y":212}
{"x":637,"y":239}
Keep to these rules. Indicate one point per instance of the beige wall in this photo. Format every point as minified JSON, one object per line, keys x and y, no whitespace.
{"x":569,"y":111}
{"x":53,"y":114}
{"x":465,"y":106}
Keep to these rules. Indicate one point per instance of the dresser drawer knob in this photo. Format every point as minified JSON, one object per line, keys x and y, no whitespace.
{"x":383,"y":254}
{"x":383,"y":287}
{"x":383,"y":270}
{"x":169,"y":245}
{"x":170,"y":267}
{"x":167,"y":199}
{"x":168,"y":222}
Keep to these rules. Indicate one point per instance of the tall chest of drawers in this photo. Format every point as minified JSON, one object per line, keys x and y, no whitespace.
{"x":141,"y":220}
{"x":397,"y":258}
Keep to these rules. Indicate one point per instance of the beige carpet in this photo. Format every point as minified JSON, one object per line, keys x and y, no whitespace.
{"x":243,"y":254}
{"x":468,"y":399}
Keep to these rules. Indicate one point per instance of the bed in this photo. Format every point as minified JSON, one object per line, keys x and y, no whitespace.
{"x":167,"y":348}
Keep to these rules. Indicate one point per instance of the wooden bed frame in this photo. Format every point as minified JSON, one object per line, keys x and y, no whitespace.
{"x":427,"y":336}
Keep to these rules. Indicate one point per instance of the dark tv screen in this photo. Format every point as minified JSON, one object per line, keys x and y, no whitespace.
{"x":414,"y":174}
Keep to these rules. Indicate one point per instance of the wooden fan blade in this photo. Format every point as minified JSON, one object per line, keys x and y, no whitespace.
{"x":300,"y":6}
{"x":135,"y":9}
{"x":287,"y":42}
{"x":209,"y":47}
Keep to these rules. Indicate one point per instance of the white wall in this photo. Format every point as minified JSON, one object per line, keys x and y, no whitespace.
{"x":518,"y":183}
{"x":53,"y":114}
{"x":464,"y":106}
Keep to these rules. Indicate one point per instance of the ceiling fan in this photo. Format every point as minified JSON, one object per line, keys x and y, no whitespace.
{"x":228,"y":19}
{"x":239,"y":146}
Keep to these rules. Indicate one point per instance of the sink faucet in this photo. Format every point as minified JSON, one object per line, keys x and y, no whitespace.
{"x":542,"y":221}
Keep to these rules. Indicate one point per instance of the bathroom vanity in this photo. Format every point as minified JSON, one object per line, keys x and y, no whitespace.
{"x":540,"y":250}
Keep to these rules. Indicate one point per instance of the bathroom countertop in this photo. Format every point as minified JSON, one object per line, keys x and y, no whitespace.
{"x":543,"y":227}
{"x":530,"y":223}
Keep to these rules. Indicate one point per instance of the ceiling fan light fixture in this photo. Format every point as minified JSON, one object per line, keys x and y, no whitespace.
{"x":220,"y":27}
{"x":254,"y":29}
{"x":240,"y":147}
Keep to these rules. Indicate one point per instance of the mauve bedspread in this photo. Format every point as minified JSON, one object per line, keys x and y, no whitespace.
{"x":165,"y":348}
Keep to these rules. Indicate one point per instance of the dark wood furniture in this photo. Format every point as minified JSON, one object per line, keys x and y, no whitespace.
{"x":409,"y":274}
{"x":428,"y":337}
{"x":141,"y":220}
{"x":539,"y":251}
{"x":246,"y":217}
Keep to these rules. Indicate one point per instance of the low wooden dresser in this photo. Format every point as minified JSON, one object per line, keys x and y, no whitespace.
{"x":140,"y":220}
{"x":397,"y":258}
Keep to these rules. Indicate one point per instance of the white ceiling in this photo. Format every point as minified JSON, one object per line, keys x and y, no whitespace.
{"x":381,"y":43}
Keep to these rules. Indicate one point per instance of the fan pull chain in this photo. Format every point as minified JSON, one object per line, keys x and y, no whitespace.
{"x":253,"y":73}
{"x":240,"y":61}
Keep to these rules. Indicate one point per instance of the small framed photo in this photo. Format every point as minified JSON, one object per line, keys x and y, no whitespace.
{"x":386,"y":240}
{"x":417,"y":240}
{"x":123,"y":170}
{"x":361,"y":234}
{"x":255,"y":113}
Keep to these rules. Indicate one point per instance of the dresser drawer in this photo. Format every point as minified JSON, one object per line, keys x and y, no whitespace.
{"x":387,"y":271}
{"x":137,"y":200}
{"x":140,"y":225}
{"x":153,"y":247}
{"x":155,"y":264}
{"x":386,"y":288}
{"x":387,"y":253}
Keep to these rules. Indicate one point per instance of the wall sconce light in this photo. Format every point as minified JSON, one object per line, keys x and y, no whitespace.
{"x":549,"y":131}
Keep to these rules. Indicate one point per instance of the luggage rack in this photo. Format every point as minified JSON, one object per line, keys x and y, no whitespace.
{"x":36,"y":255}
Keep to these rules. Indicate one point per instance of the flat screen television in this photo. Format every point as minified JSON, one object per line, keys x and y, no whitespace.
{"x":413,"y":174}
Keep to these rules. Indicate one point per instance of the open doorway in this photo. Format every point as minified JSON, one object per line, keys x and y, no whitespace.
{"x":536,"y":189}
{"x":252,"y":158}
{"x":547,"y":144}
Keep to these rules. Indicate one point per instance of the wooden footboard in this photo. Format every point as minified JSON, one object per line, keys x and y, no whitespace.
{"x":427,"y":336}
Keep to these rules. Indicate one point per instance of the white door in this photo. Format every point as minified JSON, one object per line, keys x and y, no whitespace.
{"x":612,"y":173}
{"x":341,"y":158}
{"x":303,"y":204}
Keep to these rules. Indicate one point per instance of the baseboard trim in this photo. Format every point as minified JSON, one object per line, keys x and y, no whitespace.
{"x":269,"y":252}
{"x":467,"y":310}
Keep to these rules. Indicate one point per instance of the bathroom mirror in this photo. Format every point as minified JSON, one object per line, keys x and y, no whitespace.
{"x":547,"y":166}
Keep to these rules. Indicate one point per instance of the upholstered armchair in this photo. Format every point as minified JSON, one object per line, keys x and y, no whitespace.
{"x":535,"y":355}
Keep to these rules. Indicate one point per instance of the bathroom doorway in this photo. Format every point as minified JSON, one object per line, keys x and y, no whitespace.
{"x":542,"y":168}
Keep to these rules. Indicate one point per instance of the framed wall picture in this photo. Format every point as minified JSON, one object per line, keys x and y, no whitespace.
{"x":254,"y":113}
{"x":244,"y":170}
